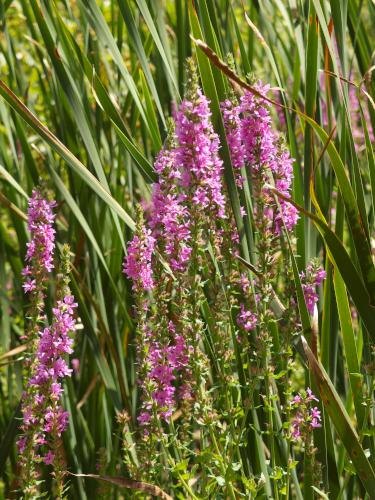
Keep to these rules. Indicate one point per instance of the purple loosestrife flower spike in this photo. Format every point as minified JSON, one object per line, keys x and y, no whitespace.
{"x":198,"y":150}
{"x":43,"y":416}
{"x":40,"y":224}
{"x":39,"y":257}
{"x":232,"y":123}
{"x":312,"y":278}
{"x":165,"y":364}
{"x":170,"y":221}
{"x":137,"y":264}
{"x":252,"y":142}
{"x":306,"y":417}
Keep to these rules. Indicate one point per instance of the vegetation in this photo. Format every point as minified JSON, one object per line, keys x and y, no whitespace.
{"x":187,"y":302}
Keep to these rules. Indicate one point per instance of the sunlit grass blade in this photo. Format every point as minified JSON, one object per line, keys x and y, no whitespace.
{"x":57,"y":145}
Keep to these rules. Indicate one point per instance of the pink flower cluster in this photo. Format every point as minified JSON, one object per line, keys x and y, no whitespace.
{"x":233,"y":129}
{"x":313,"y":278}
{"x":170,"y":220}
{"x":137,"y":265}
{"x":55,"y":342}
{"x":246,"y":319}
{"x":254,"y":144}
{"x":190,"y":180}
{"x":166,"y":362}
{"x":190,"y":187}
{"x":306,"y":416}
{"x":198,"y":155}
{"x":42,"y":412}
{"x":190,"y":173}
{"x":40,"y":249}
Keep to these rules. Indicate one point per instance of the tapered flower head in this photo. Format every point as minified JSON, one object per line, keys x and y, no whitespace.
{"x":137,"y":264}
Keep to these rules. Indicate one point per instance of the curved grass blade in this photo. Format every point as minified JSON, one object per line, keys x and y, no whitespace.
{"x":127,"y":14}
{"x":64,"y":152}
{"x":341,"y":421}
{"x":143,"y":8}
{"x":106,"y":103}
{"x":85,"y":226}
{"x":350,"y":346}
{"x":103,"y":32}
{"x":12,"y":181}
{"x":144,"y":165}
{"x":11,"y":206}
{"x":344,"y":263}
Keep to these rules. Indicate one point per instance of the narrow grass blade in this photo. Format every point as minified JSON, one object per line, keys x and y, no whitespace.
{"x":64,"y":152}
{"x":341,"y":421}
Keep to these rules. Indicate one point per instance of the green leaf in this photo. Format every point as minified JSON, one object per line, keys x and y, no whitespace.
{"x":340,"y":419}
{"x":64,"y":152}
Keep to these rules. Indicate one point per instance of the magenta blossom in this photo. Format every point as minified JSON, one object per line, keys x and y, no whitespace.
{"x":246,"y":319}
{"x":137,"y":265}
{"x":305,"y":416}
{"x":313,"y":278}
{"x":166,"y":366}
{"x":43,"y":418}
{"x":198,"y":155}
{"x":254,"y":144}
{"x":170,"y":219}
{"x":41,"y":246}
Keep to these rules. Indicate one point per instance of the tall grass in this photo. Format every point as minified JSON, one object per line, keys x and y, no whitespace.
{"x":86,"y":89}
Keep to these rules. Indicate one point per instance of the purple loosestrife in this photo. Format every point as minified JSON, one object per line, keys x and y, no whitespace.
{"x":40,"y":224}
{"x":306,"y":417}
{"x":42,"y":408}
{"x":198,"y":152}
{"x":163,"y":357}
{"x":39,"y":257}
{"x":170,"y":218}
{"x":253,"y":142}
{"x":165,"y":362}
{"x":202,"y":183}
{"x":310,"y":280}
{"x":43,"y":418}
{"x":187,"y":197}
{"x":161,"y":353}
{"x":137,"y":265}
{"x":39,"y":263}
{"x":232,"y":122}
